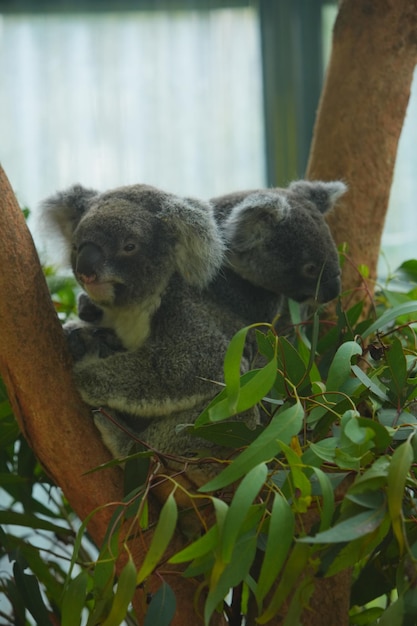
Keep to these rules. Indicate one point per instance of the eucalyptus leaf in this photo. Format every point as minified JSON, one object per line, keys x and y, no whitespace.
{"x":397,"y":475}
{"x":350,"y":529}
{"x":390,"y":316}
{"x":279,"y":541}
{"x":236,"y":571}
{"x":238,"y":509}
{"x":73,"y":600}
{"x":124,"y":594}
{"x":161,"y":538}
{"x":162,"y":607}
{"x":284,"y":425}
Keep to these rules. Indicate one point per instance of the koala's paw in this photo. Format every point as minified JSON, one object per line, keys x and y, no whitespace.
{"x":77,"y":341}
{"x":91,"y":341}
{"x":107,"y":342}
{"x":87,"y":310}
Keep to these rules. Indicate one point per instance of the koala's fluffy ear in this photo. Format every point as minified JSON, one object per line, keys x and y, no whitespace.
{"x":323,"y":194}
{"x":64,"y":210}
{"x":200,"y":248}
{"x":257,"y":214}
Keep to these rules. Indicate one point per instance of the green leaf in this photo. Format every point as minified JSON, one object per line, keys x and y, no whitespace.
{"x":236,"y":571}
{"x":238,"y":509}
{"x":350,"y":529}
{"x":230,"y":434}
{"x":31,"y":521}
{"x":252,"y":390}
{"x":161,"y":538}
{"x":232,"y":365}
{"x":340,"y":368}
{"x":300,"y":482}
{"x":407,"y":271}
{"x":394,"y":614}
{"x":370,"y":384}
{"x":355,"y":551}
{"x":280,"y":538}
{"x":284,"y":425}
{"x":162,"y":608}
{"x":397,"y":366}
{"x":327,"y":493}
{"x":290,"y":364}
{"x":205,"y":544}
{"x":390,"y":316}
{"x":373,"y":478}
{"x":29,"y":589}
{"x":295,"y":567}
{"x":124,"y":593}
{"x":397,"y":476}
{"x":73,"y":600}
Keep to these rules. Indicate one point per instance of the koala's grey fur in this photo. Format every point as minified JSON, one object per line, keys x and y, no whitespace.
{"x":143,"y":257}
{"x":278,"y":246}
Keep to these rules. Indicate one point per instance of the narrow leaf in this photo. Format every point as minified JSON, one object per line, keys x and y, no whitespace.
{"x":327,"y":493}
{"x":282,"y":427}
{"x":340,"y":367}
{"x":397,"y":475}
{"x":31,"y":594}
{"x":390,"y":316}
{"x":203,"y":545}
{"x":162,"y":607}
{"x":236,"y":571}
{"x":294,"y":568}
{"x":350,"y":529}
{"x":369,"y":384}
{"x":280,"y":538}
{"x":73,"y":600}
{"x":232,"y":364}
{"x":238,"y":509}
{"x":161,"y":538}
{"x":123,"y":596}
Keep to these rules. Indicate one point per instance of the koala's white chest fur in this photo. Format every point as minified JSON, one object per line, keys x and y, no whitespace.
{"x":132,"y":324}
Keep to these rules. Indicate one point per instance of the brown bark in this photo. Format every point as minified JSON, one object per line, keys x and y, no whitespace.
{"x":360,"y":118}
{"x":36,"y":369}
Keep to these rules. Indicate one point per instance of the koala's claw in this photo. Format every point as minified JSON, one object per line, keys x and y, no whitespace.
{"x":88,"y":340}
{"x":76,"y":342}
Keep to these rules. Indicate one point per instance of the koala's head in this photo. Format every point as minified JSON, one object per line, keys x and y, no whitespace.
{"x":278,"y":238}
{"x":125,"y":244}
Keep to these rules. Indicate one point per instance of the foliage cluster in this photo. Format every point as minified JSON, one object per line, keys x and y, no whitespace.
{"x":327,"y":483}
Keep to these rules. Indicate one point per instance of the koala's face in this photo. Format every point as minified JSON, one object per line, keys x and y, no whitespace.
{"x":278,"y":239}
{"x":125,"y":244}
{"x":120,"y":254}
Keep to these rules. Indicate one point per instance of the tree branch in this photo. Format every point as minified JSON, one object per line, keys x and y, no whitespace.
{"x":360,"y":119}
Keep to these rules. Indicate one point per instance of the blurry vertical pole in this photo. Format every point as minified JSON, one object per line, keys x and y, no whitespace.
{"x":360,"y":118}
{"x":292,"y":76}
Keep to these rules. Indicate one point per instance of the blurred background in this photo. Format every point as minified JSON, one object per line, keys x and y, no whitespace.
{"x":198,"y":97}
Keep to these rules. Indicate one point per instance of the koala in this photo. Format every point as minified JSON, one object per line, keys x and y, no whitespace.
{"x":278,"y":247}
{"x":151,"y":342}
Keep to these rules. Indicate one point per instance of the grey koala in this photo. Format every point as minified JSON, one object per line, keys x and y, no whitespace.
{"x":157,"y":343}
{"x":278,"y":246}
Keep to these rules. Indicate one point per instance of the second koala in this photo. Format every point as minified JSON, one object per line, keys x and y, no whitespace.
{"x":278,"y":246}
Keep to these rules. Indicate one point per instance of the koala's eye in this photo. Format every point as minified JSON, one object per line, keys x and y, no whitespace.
{"x":310,"y":270}
{"x":129,"y":247}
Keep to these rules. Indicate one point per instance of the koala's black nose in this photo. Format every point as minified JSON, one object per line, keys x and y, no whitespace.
{"x":330,"y":289}
{"x":89,"y":261}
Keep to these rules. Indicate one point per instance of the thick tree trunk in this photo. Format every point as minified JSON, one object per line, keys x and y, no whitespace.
{"x":360,"y":118}
{"x":35,"y":366}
